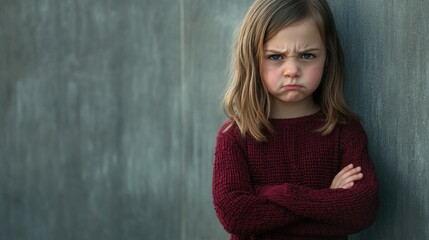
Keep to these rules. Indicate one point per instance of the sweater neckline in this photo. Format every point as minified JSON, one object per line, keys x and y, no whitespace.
{"x":305,"y":118}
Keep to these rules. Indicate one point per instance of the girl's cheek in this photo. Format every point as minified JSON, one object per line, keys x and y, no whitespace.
{"x":270,"y":75}
{"x":315,"y":73}
{"x":272,"y":72}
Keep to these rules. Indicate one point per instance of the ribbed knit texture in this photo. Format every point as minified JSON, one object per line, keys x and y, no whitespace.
{"x":279,"y":189}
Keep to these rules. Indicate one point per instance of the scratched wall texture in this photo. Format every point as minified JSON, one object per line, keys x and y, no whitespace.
{"x":109,"y":111}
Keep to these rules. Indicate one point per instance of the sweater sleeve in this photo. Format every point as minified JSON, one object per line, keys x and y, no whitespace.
{"x":350,"y":210}
{"x":238,"y":208}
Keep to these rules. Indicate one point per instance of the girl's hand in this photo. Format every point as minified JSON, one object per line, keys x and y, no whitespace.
{"x":346,"y":177}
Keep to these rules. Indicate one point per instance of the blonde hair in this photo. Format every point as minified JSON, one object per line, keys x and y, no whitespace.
{"x":247,"y":101}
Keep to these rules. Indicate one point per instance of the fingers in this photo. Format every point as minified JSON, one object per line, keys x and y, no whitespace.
{"x":348,"y":185}
{"x":349,"y":175}
{"x":349,"y":181}
{"x":339,"y":177}
{"x":345,"y":169}
{"x":346,"y":177}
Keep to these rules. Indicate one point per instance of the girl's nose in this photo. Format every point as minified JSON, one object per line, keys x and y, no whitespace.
{"x":291,"y":69}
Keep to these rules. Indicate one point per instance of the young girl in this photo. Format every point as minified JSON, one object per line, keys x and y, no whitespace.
{"x":291,"y":162}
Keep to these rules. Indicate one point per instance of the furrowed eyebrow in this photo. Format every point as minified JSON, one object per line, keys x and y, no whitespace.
{"x":301,"y":51}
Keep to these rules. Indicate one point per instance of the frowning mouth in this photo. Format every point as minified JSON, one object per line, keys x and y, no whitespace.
{"x":292,"y":87}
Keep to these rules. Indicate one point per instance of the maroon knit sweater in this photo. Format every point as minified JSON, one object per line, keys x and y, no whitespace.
{"x":279,"y":189}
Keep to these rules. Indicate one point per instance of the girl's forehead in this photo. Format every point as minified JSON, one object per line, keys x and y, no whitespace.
{"x":300,"y":34}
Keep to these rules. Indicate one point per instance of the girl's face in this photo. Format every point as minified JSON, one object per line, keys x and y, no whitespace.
{"x":293,"y":63}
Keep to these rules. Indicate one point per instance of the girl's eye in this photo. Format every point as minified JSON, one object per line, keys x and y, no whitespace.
{"x":275,"y":57}
{"x":307,"y":56}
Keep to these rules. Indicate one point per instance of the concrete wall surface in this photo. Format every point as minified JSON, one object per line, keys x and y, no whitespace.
{"x":109,"y":111}
{"x":386,"y":47}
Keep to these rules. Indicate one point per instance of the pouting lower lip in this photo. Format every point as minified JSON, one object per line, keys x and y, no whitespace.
{"x":292,"y":87}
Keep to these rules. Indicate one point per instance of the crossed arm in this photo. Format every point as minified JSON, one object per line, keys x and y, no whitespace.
{"x":347,"y":206}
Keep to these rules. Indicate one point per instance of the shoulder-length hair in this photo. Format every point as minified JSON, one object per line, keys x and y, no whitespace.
{"x":247,"y":101}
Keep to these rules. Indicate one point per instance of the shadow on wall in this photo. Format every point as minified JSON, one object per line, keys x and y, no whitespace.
{"x":383,"y":52}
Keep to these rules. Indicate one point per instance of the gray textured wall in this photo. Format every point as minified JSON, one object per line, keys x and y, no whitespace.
{"x":109,"y":109}
{"x":386,"y":46}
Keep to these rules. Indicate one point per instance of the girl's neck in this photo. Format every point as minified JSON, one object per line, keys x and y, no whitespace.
{"x":293,"y":110}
